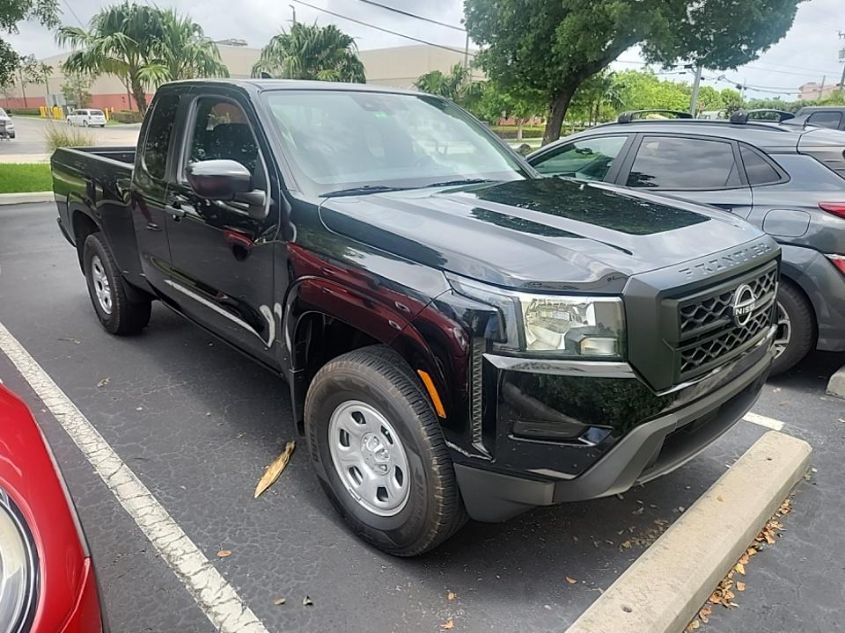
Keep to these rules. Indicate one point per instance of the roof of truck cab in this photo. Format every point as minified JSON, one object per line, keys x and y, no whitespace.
{"x":263,"y":85}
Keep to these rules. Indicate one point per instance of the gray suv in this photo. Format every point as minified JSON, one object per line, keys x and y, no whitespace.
{"x":788,"y":180}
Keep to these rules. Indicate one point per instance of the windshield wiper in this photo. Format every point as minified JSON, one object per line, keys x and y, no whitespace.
{"x":460,"y":181}
{"x":366,"y":189}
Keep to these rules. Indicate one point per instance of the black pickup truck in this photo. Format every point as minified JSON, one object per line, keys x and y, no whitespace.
{"x":460,"y":336}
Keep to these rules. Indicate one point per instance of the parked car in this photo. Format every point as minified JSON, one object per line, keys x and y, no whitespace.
{"x":47,"y":578}
{"x":832,"y":117}
{"x":87,"y":118}
{"x":7,"y":126}
{"x":459,"y":335}
{"x":786,"y":179}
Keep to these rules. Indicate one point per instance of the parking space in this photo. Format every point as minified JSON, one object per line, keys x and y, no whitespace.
{"x":197,"y":423}
{"x":30,"y":143}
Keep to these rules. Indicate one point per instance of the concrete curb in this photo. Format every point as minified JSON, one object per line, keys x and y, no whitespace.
{"x":669,"y":583}
{"x":836,"y":386}
{"x":22,"y":198}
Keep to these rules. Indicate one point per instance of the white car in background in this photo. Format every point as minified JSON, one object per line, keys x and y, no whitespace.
{"x":7,"y":126}
{"x":87,"y":118}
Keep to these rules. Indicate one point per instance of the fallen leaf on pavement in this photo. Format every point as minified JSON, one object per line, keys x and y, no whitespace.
{"x":307,"y":602}
{"x":450,"y":596}
{"x":740,"y":586}
{"x":103,"y":382}
{"x":224,"y":553}
{"x":740,"y":568}
{"x":448,"y":625}
{"x":274,"y":470}
{"x":279,"y":601}
{"x":571,"y":581}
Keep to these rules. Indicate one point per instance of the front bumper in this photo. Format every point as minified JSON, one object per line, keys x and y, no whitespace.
{"x":527,"y":473}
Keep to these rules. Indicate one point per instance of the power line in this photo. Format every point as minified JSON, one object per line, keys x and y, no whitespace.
{"x":73,"y":13}
{"x":379,"y":28}
{"x":414,"y":15}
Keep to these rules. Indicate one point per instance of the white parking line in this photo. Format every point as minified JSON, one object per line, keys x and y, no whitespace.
{"x":762,"y":420}
{"x":216,"y":597}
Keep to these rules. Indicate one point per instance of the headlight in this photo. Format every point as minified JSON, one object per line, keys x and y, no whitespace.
{"x":555,"y":325}
{"x":18,"y":569}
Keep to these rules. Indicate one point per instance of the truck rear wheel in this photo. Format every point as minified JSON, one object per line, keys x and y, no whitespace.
{"x":379,"y":453}
{"x":116,"y":311}
{"x":796,"y":333}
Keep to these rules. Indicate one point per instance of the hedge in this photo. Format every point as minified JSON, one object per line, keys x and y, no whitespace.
{"x":127,"y":116}
{"x":24,"y":111}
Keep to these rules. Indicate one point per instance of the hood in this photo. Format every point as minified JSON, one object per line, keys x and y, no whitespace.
{"x":545,"y":233}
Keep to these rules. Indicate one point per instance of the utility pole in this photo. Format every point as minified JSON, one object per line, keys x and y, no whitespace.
{"x":842,"y":61}
{"x":821,"y":87}
{"x":694,"y":101}
{"x":466,"y":53}
{"x":293,"y":10}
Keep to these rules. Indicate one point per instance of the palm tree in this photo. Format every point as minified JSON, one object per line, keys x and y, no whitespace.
{"x":311,"y":52}
{"x":452,"y":85}
{"x":183,"y":51}
{"x":121,"y":41}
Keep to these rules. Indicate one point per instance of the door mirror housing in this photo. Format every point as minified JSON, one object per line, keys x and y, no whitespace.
{"x":220,"y":179}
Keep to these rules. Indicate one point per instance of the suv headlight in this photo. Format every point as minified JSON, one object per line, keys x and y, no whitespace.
{"x":570,"y":326}
{"x":18,"y":569}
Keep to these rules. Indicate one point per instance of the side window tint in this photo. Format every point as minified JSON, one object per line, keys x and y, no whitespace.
{"x":757,"y":168}
{"x":221,"y":131}
{"x":826,"y":119}
{"x":589,"y":159}
{"x":684,"y":163}
{"x":158,"y":135}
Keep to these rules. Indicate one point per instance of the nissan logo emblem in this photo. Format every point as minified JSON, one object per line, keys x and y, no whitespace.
{"x":743,"y":304}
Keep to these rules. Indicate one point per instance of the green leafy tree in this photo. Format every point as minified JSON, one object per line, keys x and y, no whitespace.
{"x":121,"y":41}
{"x":490,"y":103}
{"x":643,"y":90}
{"x":76,"y":89}
{"x":553,"y":46}
{"x":32,"y":71}
{"x":452,"y":85}
{"x":183,"y":51}
{"x":599,"y":98}
{"x":12,"y":12}
{"x":314,"y":52}
{"x":732,"y":100}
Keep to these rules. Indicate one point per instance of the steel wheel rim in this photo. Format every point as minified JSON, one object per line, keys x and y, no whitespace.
{"x":101,"y":284}
{"x":784,"y":330}
{"x":369,"y":458}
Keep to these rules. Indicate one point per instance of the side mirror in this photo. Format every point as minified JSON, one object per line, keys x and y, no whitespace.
{"x":219,"y":179}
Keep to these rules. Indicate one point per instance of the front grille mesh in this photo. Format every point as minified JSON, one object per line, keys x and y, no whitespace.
{"x":703,"y":312}
{"x":707,"y":333}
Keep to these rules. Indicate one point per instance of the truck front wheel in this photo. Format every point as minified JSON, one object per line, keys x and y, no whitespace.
{"x":379,"y":452}
{"x":116,"y":311}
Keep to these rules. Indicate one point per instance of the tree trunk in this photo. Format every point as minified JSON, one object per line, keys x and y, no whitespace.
{"x":557,"y":110}
{"x":519,"y":124}
{"x":138,"y":94}
{"x":23,"y":89}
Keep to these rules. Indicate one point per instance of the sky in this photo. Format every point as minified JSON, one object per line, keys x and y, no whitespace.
{"x":808,"y":52}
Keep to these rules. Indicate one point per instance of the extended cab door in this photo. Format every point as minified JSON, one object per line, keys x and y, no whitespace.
{"x":150,"y":201}
{"x":701,"y":169}
{"x":222,"y":251}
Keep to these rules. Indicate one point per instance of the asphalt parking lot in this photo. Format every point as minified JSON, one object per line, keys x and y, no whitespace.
{"x":198,"y":423}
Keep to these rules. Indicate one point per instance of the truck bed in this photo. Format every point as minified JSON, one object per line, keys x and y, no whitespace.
{"x":92,"y":184}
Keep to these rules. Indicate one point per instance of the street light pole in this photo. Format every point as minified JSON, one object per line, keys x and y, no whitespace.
{"x":293,"y":10}
{"x":694,"y":101}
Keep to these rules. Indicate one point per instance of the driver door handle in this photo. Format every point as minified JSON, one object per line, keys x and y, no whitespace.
{"x":178,"y":207}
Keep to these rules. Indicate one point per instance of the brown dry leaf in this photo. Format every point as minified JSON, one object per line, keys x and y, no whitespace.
{"x":274,"y":470}
{"x":450,"y":596}
{"x":279,"y":601}
{"x":740,"y":568}
{"x":704,"y":613}
{"x":740,"y":586}
{"x":448,"y":624}
{"x":224,"y":553}
{"x":744,"y":559}
{"x":695,"y":625}
{"x":571,"y":581}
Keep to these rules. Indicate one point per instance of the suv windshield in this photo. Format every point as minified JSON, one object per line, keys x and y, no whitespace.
{"x":337,"y":140}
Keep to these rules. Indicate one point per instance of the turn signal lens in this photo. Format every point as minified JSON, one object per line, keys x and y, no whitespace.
{"x":836,"y":208}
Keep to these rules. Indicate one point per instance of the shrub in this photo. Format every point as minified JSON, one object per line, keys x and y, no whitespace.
{"x":510,"y":131}
{"x":127,"y":116}
{"x":66,"y":136}
{"x":24,"y":111}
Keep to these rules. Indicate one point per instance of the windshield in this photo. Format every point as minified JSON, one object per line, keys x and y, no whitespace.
{"x":338,"y":140}
{"x":96,"y":112}
{"x":3,"y":113}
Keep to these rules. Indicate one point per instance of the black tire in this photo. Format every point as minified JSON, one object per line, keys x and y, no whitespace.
{"x":126,"y":316}
{"x":802,"y":321}
{"x":380,"y":378}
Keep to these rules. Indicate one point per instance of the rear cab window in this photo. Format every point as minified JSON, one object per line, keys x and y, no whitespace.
{"x":157,"y":141}
{"x":676,"y":163}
